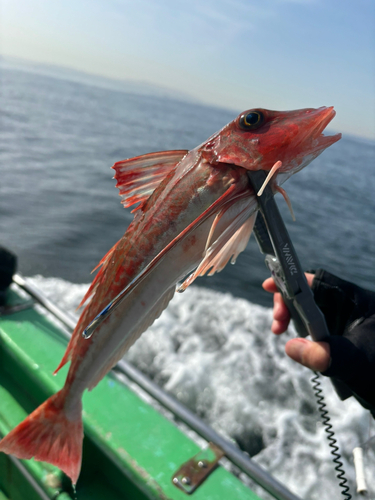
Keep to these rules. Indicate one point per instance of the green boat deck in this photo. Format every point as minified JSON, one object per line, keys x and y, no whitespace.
{"x":130,"y":450}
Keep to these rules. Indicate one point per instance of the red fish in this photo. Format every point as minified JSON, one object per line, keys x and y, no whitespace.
{"x":195,"y":211}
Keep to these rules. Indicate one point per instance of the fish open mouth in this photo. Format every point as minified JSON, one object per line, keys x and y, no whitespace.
{"x":316,"y":124}
{"x":310,"y":141}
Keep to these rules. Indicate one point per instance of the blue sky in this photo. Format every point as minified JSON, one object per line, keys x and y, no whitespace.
{"x":237,"y":54}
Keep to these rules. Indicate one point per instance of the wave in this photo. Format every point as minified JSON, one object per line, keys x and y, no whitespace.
{"x":215,"y":353}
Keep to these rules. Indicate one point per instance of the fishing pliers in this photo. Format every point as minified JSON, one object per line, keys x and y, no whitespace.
{"x":282,"y":261}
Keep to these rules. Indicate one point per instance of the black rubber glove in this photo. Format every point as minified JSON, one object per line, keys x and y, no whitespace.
{"x":350,"y":314}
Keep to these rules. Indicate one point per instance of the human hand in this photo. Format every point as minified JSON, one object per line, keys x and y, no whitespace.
{"x":314,"y":355}
{"x":348,"y":355}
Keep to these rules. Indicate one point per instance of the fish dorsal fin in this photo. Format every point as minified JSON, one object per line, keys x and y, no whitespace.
{"x":138,"y":177}
{"x":227,"y":247}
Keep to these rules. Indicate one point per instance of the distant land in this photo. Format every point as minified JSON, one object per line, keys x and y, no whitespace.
{"x":64,"y":73}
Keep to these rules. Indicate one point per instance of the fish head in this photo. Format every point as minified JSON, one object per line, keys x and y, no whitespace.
{"x":258,"y":138}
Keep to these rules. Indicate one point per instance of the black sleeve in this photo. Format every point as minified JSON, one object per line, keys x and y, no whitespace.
{"x":350,"y":314}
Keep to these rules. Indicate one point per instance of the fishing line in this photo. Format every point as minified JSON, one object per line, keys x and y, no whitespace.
{"x":330,"y":436}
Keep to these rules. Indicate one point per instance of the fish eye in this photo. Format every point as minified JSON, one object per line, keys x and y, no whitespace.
{"x":252,"y":120}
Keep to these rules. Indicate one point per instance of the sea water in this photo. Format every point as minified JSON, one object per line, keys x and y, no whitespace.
{"x":212,"y":348}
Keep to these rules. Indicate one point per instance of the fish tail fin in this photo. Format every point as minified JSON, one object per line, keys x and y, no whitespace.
{"x":49,"y":436}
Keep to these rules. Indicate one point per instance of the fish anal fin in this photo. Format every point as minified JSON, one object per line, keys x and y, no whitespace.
{"x":78,"y":329}
{"x":74,"y":338}
{"x":90,"y":291}
{"x":138,"y":177}
{"x":154,"y":313}
{"x":82,"y":322}
{"x":227,"y":247}
{"x":67,"y":356}
{"x":107,"y":257}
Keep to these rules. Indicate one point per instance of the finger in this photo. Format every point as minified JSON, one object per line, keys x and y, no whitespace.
{"x":280,"y":311}
{"x":314,"y":355}
{"x":279,"y":327}
{"x":309,"y":278}
{"x":280,"y":314}
{"x":269,"y":285}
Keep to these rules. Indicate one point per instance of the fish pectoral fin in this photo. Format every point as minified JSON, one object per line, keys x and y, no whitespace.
{"x":147,"y":321}
{"x":227,"y":247}
{"x":138,"y":177}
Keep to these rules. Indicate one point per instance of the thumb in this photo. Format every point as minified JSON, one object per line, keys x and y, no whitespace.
{"x":314,"y":355}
